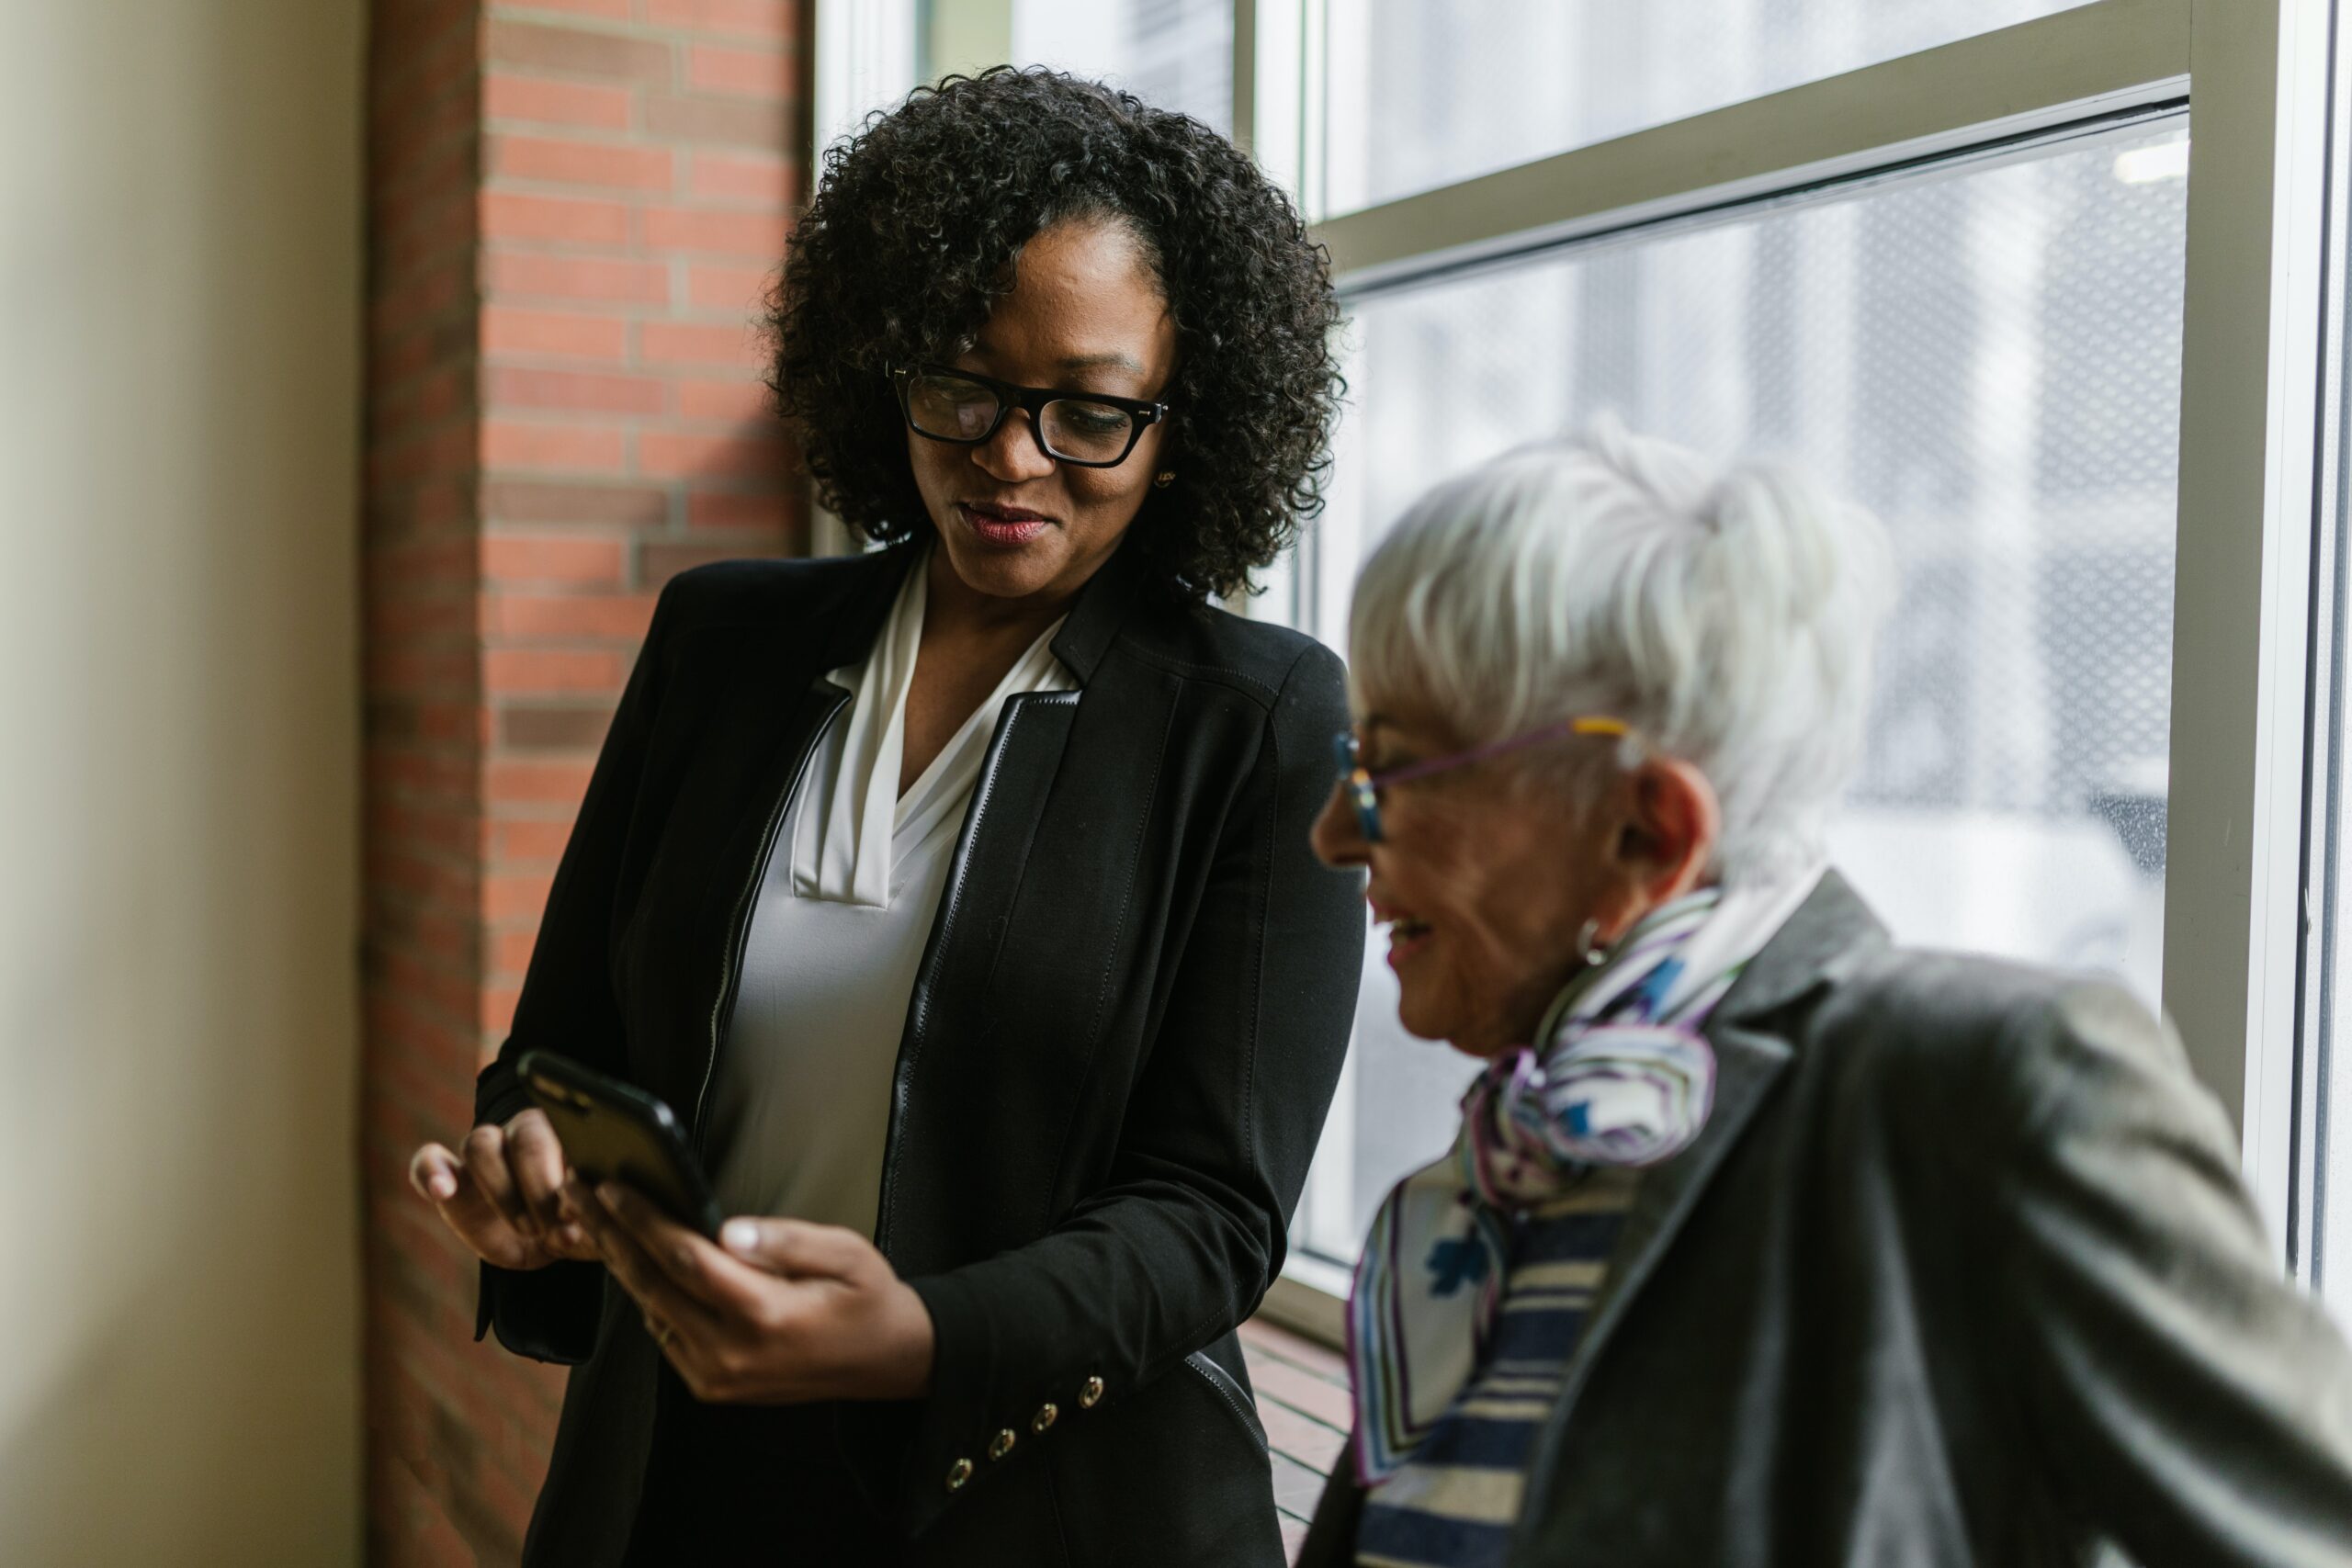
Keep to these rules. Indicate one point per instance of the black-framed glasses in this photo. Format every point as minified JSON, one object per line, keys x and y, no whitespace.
{"x":1362,"y":788}
{"x":1091,"y":430}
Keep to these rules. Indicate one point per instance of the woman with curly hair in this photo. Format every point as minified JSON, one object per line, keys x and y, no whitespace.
{"x":957,"y":895}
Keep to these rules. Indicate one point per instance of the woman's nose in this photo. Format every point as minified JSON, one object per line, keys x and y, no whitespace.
{"x":1338,"y":837}
{"x":1013,"y":454}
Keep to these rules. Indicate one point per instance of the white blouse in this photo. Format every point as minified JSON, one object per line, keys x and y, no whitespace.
{"x":802,"y":1104}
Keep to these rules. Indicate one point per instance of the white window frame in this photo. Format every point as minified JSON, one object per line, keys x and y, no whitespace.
{"x":2255,"y":73}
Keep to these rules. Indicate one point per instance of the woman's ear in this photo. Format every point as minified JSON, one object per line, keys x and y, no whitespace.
{"x":1673,"y":822}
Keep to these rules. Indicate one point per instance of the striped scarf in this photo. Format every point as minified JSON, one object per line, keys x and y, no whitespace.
{"x":1624,"y":1080}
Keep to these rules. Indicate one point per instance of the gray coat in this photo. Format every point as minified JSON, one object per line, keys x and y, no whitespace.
{"x":1961,"y":1271}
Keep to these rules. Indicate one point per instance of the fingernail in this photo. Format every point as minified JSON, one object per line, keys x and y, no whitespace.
{"x":575,"y":1236}
{"x":740,"y":1235}
{"x":440,"y":1185}
{"x":609,"y":1194}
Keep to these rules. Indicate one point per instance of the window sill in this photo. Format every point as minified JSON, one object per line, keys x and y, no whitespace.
{"x":1310,"y":1299}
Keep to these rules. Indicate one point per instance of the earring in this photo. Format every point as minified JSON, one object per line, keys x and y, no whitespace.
{"x":1164,"y":479}
{"x":1588,"y":943}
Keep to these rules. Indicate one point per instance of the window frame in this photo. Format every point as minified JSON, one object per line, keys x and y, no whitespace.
{"x":2257,"y":77}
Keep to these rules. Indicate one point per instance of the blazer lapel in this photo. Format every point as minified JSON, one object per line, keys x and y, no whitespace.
{"x":1746,"y":1063}
{"x":778,"y":696}
{"x":992,"y":850}
{"x":773,"y":695}
{"x":1829,"y":927}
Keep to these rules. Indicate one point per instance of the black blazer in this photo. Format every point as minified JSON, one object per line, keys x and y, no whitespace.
{"x":1123,"y":1034}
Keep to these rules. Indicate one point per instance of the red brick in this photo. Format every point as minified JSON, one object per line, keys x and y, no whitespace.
{"x":566,"y":616}
{"x":508,"y":94}
{"x":759,"y":235}
{"x":679,"y":457}
{"x":498,"y":1004}
{"x":430,"y":290}
{"x":611,"y":10}
{"x":507,"y":329}
{"x":578,"y":52}
{"x":585,"y":390}
{"x":600,"y":279}
{"x":743,"y":176}
{"x":680,"y":342}
{"x":418,"y":619}
{"x":512,"y":444}
{"x":551,"y":558}
{"x":747,"y":19}
{"x":514,"y":896}
{"x":432,"y":226}
{"x":394,"y":362}
{"x":733,"y":511}
{"x":503,"y":605}
{"x":564,"y":162}
{"x":733,"y":402}
{"x":440,"y":395}
{"x":428,"y":145}
{"x":532,"y":840}
{"x":743,"y":290}
{"x":509,"y":215}
{"x":510,"y":951}
{"x":570,"y":726}
{"x":538,"y":500}
{"x":748,"y":73}
{"x":512,"y":671}
{"x":538,"y":782}
{"x":740,"y":122}
{"x":660,"y":560}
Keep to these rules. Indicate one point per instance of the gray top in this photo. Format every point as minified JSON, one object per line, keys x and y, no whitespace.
{"x":800,"y":1111}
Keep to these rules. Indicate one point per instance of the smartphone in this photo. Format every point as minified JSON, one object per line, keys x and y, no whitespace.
{"x":615,"y":1132}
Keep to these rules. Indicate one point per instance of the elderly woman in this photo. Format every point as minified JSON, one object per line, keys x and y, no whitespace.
{"x":1764,"y":1240}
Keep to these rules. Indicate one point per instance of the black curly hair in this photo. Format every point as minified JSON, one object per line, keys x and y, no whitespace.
{"x":912,"y":238}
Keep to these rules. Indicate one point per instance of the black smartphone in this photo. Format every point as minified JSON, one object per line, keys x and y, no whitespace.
{"x":615,"y":1132}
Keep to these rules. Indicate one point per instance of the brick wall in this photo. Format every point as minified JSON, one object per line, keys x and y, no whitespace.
{"x":575,"y":207}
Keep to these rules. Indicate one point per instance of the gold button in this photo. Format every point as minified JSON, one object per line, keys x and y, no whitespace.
{"x":1001,"y":1444}
{"x":1092,"y":1394}
{"x":959,"y":1474}
{"x":1047,"y":1416}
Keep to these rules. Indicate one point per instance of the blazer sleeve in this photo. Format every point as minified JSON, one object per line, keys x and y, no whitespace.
{"x":2195,"y":1403}
{"x":1184,"y":1239}
{"x":568,"y":1003}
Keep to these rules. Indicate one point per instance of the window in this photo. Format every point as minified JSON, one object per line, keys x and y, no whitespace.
{"x":1175,"y":53}
{"x":2320,"y":1228}
{"x":1421,"y":96}
{"x":1948,"y":256}
{"x":1987,"y":354}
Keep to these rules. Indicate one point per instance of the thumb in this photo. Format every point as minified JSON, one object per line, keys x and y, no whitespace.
{"x":795,"y":1247}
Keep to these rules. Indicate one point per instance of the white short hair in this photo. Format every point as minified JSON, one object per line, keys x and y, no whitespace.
{"x":1727,"y":613}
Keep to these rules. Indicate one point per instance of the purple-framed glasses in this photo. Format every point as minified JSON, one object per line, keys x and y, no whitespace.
{"x":1362,"y":788}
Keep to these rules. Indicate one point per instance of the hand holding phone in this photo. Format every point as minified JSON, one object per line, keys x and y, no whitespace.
{"x":498,"y":1192}
{"x":611,"y":1131}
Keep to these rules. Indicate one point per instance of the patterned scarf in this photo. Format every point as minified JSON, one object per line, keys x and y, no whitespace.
{"x":1624,"y":1080}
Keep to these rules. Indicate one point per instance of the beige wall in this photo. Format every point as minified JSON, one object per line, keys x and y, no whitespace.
{"x":179,"y":296}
